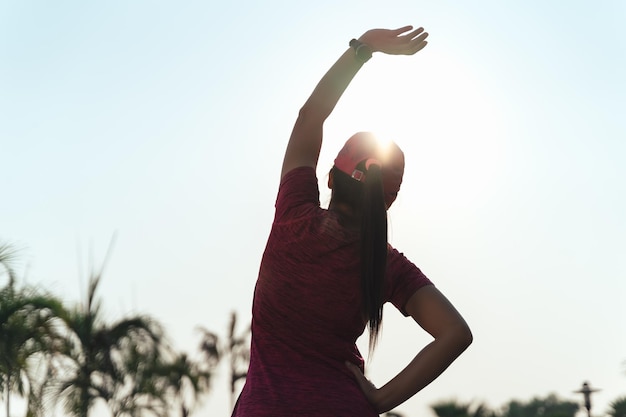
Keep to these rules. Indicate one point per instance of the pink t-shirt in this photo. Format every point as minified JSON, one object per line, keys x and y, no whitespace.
{"x":306,"y":314}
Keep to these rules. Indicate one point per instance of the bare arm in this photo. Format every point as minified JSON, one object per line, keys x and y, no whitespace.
{"x":431,"y":310}
{"x":306,"y":137}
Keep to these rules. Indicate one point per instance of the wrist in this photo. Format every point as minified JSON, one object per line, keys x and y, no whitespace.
{"x":362,"y":51}
{"x":369,"y":40}
{"x":381,"y":400}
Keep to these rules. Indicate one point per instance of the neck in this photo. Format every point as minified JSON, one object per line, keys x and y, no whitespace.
{"x":347,"y":215}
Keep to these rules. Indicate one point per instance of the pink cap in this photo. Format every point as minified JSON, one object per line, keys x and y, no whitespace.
{"x":363,"y":146}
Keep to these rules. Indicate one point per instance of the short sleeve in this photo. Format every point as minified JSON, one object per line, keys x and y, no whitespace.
{"x":404,"y":278}
{"x":298,"y":193}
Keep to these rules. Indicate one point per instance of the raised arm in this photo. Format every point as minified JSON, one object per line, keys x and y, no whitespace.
{"x":306,"y":137}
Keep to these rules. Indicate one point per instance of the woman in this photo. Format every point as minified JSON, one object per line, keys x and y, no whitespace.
{"x":325,"y":274}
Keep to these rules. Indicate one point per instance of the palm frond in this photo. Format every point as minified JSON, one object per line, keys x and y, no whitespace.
{"x":8,"y":255}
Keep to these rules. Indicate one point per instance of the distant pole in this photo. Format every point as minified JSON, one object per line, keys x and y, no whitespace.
{"x":586,"y":391}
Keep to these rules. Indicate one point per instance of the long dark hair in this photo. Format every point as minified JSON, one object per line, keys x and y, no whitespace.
{"x":367,"y":201}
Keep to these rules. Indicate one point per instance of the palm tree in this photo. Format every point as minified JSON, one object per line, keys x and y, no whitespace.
{"x":158,"y":384}
{"x":550,"y":406}
{"x":144,"y":390}
{"x":28,"y":333}
{"x":186,"y":380}
{"x":451,"y":408}
{"x":95,"y":361}
{"x":236,"y":348}
{"x":239,"y":352}
{"x":454,"y":408}
{"x":618,"y":408}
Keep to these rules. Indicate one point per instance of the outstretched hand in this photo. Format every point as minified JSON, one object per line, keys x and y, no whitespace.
{"x":402,"y":41}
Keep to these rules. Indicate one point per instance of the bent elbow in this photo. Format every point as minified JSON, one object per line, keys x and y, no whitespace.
{"x":459,"y":337}
{"x":469,"y":338}
{"x":464,"y":336}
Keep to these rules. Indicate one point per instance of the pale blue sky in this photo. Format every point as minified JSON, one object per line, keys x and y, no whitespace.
{"x":164,"y":123}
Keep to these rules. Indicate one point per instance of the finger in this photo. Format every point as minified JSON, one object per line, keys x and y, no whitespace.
{"x":420,"y":46}
{"x":400,"y":31}
{"x":419,"y":42}
{"x":421,"y":37}
{"x":413,"y":33}
{"x":357,"y":373}
{"x":363,"y":382}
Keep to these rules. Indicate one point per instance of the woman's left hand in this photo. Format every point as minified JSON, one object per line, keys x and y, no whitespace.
{"x":401,"y":41}
{"x":369,"y":390}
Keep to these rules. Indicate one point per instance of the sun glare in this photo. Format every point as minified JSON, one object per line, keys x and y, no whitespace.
{"x":446,"y":122}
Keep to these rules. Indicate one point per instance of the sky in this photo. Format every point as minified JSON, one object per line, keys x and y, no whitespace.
{"x":156,"y":129}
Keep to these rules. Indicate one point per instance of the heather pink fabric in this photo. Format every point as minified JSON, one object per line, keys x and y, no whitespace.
{"x":306,"y":314}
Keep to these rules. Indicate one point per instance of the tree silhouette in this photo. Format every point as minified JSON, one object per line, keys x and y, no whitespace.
{"x":454,"y":408}
{"x":236,"y":348}
{"x":618,"y":408}
{"x":186,"y":380}
{"x":28,"y":333}
{"x":550,"y":406}
{"x":98,"y":361}
{"x":162,"y":385}
{"x":74,"y":357}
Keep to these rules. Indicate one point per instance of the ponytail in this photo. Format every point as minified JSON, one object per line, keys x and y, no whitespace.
{"x":373,"y":250}
{"x":367,"y":200}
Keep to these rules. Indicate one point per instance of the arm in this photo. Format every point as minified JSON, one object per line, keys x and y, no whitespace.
{"x":431,"y":310}
{"x":306,"y":137}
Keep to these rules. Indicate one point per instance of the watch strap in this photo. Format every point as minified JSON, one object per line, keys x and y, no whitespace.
{"x":362,"y":51}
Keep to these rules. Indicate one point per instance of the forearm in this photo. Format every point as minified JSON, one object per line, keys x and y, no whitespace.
{"x":336,"y":80}
{"x":427,"y":365}
{"x":332,"y":86}
{"x":306,"y":137}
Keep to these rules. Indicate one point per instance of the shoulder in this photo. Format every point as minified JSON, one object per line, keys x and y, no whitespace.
{"x":396,"y":261}
{"x":298,"y":188}
{"x":398,"y":265}
{"x":404,"y":278}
